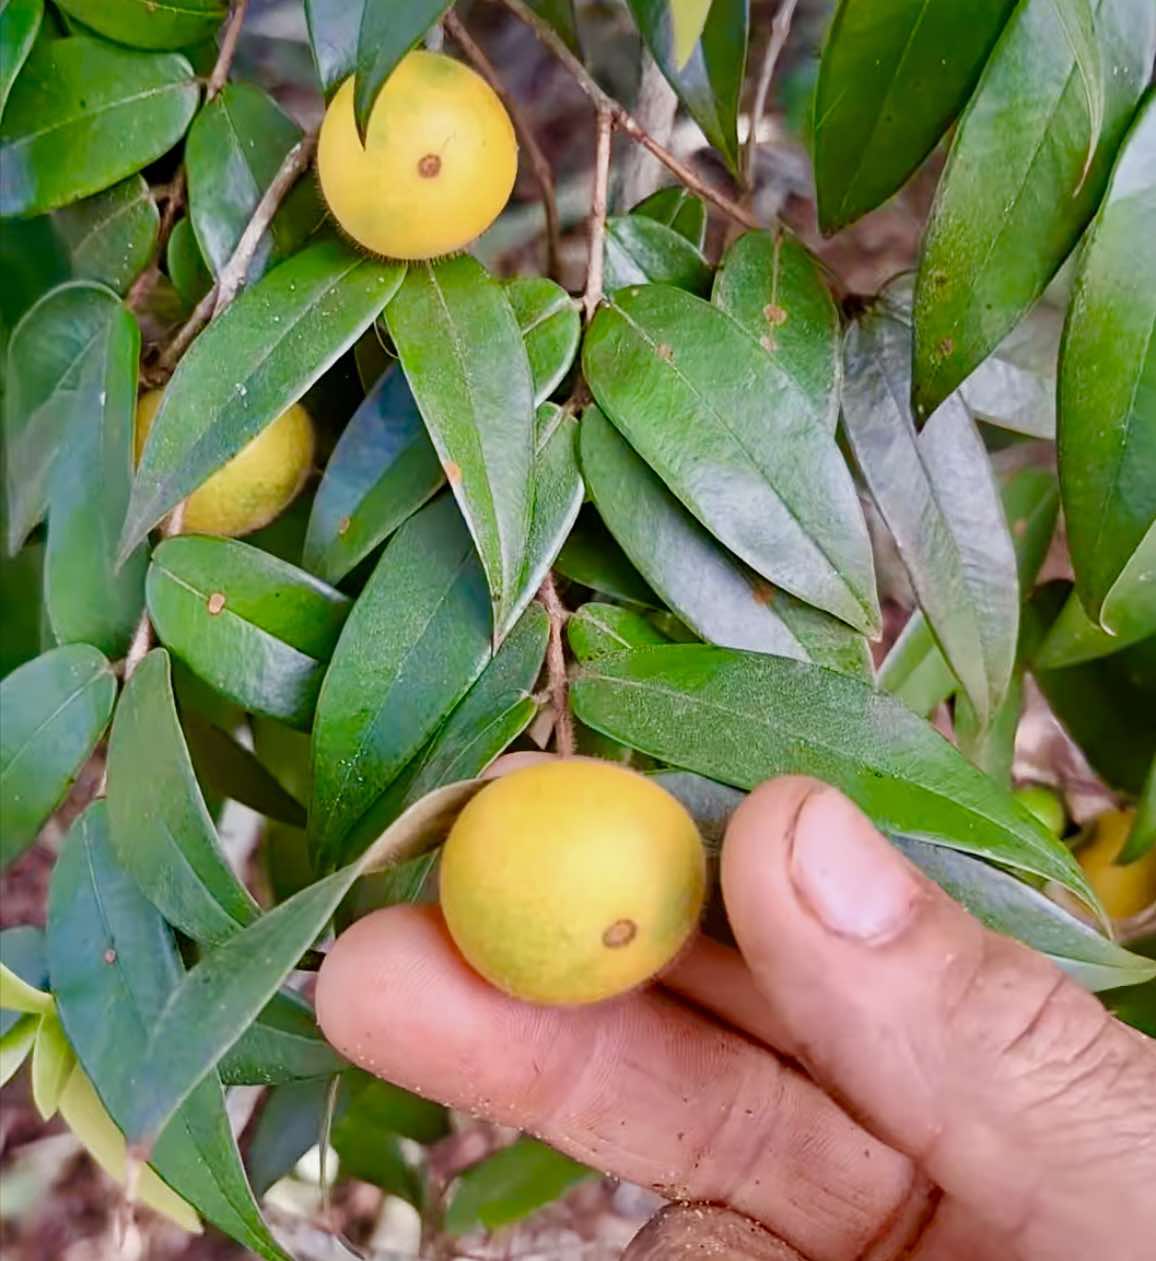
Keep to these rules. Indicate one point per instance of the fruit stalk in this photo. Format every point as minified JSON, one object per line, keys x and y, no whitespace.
{"x":559,"y":686}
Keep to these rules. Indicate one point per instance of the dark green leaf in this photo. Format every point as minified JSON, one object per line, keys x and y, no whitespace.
{"x":392,"y":1109}
{"x":561,"y":16}
{"x":915,"y":670}
{"x":893,"y":75}
{"x":55,"y":710}
{"x":678,"y":209}
{"x":83,"y":115}
{"x":379,"y":1158}
{"x":161,"y":832}
{"x":640,"y":250}
{"x":19,"y":23}
{"x":256,"y":629}
{"x":990,"y":744}
{"x":333,"y":30}
{"x":467,"y":365}
{"x":510,"y":1185}
{"x":21,"y":580}
{"x":187,"y":269}
{"x":283,"y":1044}
{"x":590,"y":556}
{"x":32,"y":259}
{"x":22,"y":952}
{"x":288,"y":1125}
{"x":149,"y":24}
{"x":112,"y":234}
{"x":737,"y":441}
{"x":1142,"y":838}
{"x":227,"y":768}
{"x":1073,"y":637}
{"x":551,"y":327}
{"x":389,"y":29}
{"x":1135,"y":1006}
{"x":246,"y":368}
{"x":286,"y":754}
{"x":595,"y":630}
{"x":998,"y":232}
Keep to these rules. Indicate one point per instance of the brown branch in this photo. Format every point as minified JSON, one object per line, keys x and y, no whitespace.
{"x":556,"y":669}
{"x":543,"y":175}
{"x":780,"y":30}
{"x":625,"y":121}
{"x":594,"y":264}
{"x":220,"y":74}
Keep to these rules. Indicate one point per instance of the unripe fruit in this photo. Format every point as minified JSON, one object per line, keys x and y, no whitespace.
{"x":437,"y":167}
{"x":1046,"y":805}
{"x":1124,"y":891}
{"x":256,"y":485}
{"x":572,"y":881}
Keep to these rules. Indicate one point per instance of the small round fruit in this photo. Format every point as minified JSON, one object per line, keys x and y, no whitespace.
{"x":572,"y":881}
{"x":256,"y":485}
{"x":437,"y":167}
{"x":1124,"y":891}
{"x":1046,"y":805}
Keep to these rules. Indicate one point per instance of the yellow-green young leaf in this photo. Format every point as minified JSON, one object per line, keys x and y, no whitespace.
{"x":15,"y":1046}
{"x":687,"y":18}
{"x":52,"y":1063}
{"x":148,"y":24}
{"x":18,"y":995}
{"x":22,"y":954}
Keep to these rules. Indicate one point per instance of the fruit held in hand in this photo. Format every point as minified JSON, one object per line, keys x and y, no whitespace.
{"x":1124,"y":891}
{"x":572,"y":881}
{"x":437,"y":167}
{"x":256,"y":485}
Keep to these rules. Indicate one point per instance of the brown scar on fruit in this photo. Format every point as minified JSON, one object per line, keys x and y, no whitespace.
{"x":453,"y":472}
{"x":663,"y":351}
{"x":621,"y":933}
{"x":429,"y":166}
{"x":216,"y":603}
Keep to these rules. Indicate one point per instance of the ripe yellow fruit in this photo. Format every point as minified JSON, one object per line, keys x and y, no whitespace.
{"x":572,"y":881}
{"x":256,"y":485}
{"x":1124,"y":891}
{"x":437,"y":167}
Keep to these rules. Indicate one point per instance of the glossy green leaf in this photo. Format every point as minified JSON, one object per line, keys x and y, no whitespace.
{"x":1130,"y":605}
{"x":333,"y":29}
{"x":161,"y":832}
{"x":1142,"y":837}
{"x":714,"y":593}
{"x":83,"y":115}
{"x":225,"y":767}
{"x":736,"y":440}
{"x":1073,"y":637}
{"x":114,"y":968}
{"x":640,"y":250}
{"x":551,"y":328}
{"x":893,"y":75}
{"x":382,"y":470}
{"x":241,"y":373}
{"x":741,"y":718}
{"x":594,"y":630}
{"x":283,"y":1044}
{"x":19,"y":24}
{"x":235,"y":147}
{"x":465,"y":360}
{"x":937,"y":494}
{"x":187,"y":269}
{"x":149,"y":24}
{"x":253,"y":627}
{"x":111,"y":235}
{"x":915,"y":670}
{"x":998,"y":232}
{"x":710,"y":80}
{"x":285,"y":753}
{"x":21,"y":610}
{"x":678,"y":209}
{"x":1107,"y":388}
{"x":1077,"y":17}
{"x":418,"y":636}
{"x":510,"y":1185}
{"x":772,"y":285}
{"x":591,"y":557}
{"x":289,"y":1124}
{"x":55,"y":710}
{"x":389,"y":29}
{"x":22,"y":954}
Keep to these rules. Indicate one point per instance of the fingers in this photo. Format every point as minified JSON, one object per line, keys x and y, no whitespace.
{"x":1008,"y":1084}
{"x":643,"y":1087}
{"x":698,"y":1232}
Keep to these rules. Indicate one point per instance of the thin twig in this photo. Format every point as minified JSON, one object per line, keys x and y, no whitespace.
{"x":220,"y":74}
{"x":780,"y":30}
{"x":625,"y":121}
{"x":556,"y":668}
{"x":593,"y":294}
{"x":543,"y":175}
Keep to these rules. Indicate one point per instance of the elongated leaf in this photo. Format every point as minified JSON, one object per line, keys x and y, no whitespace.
{"x":187,"y":270}
{"x":55,"y":710}
{"x":1130,"y":605}
{"x":389,"y":29}
{"x":1073,"y":637}
{"x":84,"y":114}
{"x":998,"y":232}
{"x":333,"y":31}
{"x":380,"y":1159}
{"x":53,"y":1062}
{"x":590,"y":556}
{"x":1142,"y":838}
{"x":226,"y":767}
{"x":771,"y":284}
{"x":256,"y":629}
{"x":641,"y":250}
{"x":289,"y":1124}
{"x":161,"y":831}
{"x":19,"y":23}
{"x":21,"y":956}
{"x":510,"y":1185}
{"x":561,"y":16}
{"x":595,"y":630}
{"x":1079,"y":23}
{"x":915,"y":670}
{"x":938,"y":496}
{"x":1107,"y":391}
{"x":114,"y":967}
{"x":990,"y":744}
{"x":147,"y":24}
{"x":418,"y":636}
{"x":678,"y":209}
{"x":16,"y":1045}
{"x":262,"y":354}
{"x":743,"y":717}
{"x":283,"y":1044}
{"x":111,"y":236}
{"x":737,"y":442}
{"x":893,"y":75}
{"x":715,"y":594}
{"x":382,"y":470}
{"x":551,"y":327}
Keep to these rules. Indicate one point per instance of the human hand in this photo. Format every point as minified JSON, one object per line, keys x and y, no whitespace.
{"x":959,"y":1097}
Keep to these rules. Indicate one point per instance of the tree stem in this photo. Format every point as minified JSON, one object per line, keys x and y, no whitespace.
{"x":593,"y":295}
{"x":556,"y":668}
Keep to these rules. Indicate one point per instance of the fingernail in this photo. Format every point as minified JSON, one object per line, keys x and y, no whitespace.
{"x":847,"y":875}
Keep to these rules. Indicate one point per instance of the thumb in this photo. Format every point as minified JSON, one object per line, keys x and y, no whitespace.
{"x":1012,"y":1087}
{"x":701,"y":1232}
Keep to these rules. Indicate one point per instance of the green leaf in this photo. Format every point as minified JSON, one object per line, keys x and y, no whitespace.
{"x":591,"y":557}
{"x":83,"y":115}
{"x":418,"y":637}
{"x":333,"y":31}
{"x":1142,"y":838}
{"x":114,"y":968}
{"x":771,"y":284}
{"x":596,"y":629}
{"x":235,"y":147}
{"x":737,"y":442}
{"x":389,"y":29}
{"x":253,"y":627}
{"x":466,"y":362}
{"x":998,"y":232}
{"x":561,"y":16}
{"x":249,"y":365}
{"x":893,"y":75}
{"x":1130,"y":605}
{"x":52,"y":1063}
{"x":1107,"y":387}
{"x":1073,"y":637}
{"x":551,"y":328}
{"x":161,"y":831}
{"x":22,"y":955}
{"x":382,"y":470}
{"x":510,"y":1185}
{"x":714,"y":594}
{"x":111,"y":236}
{"x":1135,"y":1006}
{"x":186,"y":267}
{"x":389,"y":1108}
{"x":21,"y":611}
{"x":937,"y":494}
{"x":380,"y":1159}
{"x":990,"y":744}
{"x":1078,"y":21}
{"x":1015,"y":386}
{"x":232,"y":771}
{"x":283,"y":1044}
{"x":33,"y":259}
{"x":743,"y":717}
{"x":19,"y":24}
{"x":288,"y":1125}
{"x":16,"y":1044}
{"x":640,"y":250}
{"x":915,"y":670}
{"x":678,"y":209}
{"x":149,"y":24}
{"x":55,"y":710}
{"x":710,"y":80}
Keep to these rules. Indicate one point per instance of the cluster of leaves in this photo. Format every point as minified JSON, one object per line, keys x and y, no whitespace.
{"x":705,"y":511}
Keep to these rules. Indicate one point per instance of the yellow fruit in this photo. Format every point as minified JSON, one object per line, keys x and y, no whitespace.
{"x":572,"y":881}
{"x":1124,"y":891}
{"x":1046,"y":805}
{"x":437,"y":167}
{"x":256,"y":485}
